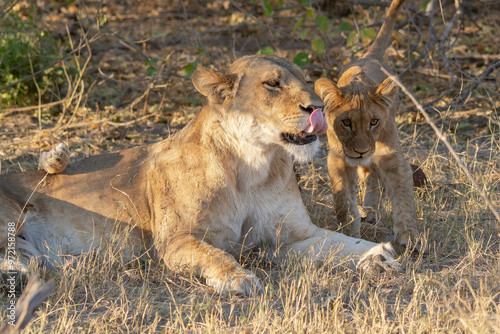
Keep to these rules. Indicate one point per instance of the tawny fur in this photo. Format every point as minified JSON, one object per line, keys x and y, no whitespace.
{"x":362,"y":134}
{"x":221,"y":185}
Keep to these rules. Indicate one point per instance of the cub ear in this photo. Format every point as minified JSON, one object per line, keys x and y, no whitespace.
{"x":213,"y":84}
{"x":387,"y":92}
{"x":327,"y":90}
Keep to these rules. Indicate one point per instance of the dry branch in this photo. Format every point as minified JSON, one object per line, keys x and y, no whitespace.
{"x":383,"y":4}
{"x":464,"y":95}
{"x":443,"y":138}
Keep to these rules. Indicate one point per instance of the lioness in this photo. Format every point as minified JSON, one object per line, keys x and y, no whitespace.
{"x":221,"y":185}
{"x":363,"y":134}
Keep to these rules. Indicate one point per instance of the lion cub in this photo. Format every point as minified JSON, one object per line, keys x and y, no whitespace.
{"x":362,"y":134}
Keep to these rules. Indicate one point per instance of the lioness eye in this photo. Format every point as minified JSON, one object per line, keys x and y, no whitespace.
{"x":272,"y":83}
{"x":346,"y":122}
{"x":374,"y":122}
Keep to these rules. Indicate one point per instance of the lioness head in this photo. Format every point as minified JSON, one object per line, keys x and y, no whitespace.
{"x":356,"y":114}
{"x":269,"y":102}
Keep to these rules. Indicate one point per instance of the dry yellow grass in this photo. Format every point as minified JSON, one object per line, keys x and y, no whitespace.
{"x":455,"y":288}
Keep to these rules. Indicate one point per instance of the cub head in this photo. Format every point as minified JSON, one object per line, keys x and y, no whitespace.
{"x":267,"y":101}
{"x":356,"y":114}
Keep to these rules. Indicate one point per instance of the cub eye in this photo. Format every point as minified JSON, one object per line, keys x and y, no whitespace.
{"x":272,"y":83}
{"x":346,"y":122}
{"x":374,"y":122}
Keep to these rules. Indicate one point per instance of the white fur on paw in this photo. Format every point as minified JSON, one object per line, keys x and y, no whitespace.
{"x":55,"y":160}
{"x":379,"y":259}
{"x":243,"y":282}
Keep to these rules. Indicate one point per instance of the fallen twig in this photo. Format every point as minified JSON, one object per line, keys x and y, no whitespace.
{"x":8,"y":111}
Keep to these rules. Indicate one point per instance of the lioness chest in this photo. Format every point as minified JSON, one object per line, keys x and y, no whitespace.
{"x":231,"y":203}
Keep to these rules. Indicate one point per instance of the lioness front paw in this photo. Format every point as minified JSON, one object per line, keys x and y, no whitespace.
{"x":243,"y":282}
{"x":379,"y":259}
{"x":55,"y":160}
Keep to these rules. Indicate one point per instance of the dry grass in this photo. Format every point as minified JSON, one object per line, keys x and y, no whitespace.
{"x":455,"y":288}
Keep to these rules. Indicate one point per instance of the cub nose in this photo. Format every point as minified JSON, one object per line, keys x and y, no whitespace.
{"x":361,"y":151}
{"x":310,"y":108}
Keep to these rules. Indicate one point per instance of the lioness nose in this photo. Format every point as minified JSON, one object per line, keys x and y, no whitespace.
{"x":310,"y":108}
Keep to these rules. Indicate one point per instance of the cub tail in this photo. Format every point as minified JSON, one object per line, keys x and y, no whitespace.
{"x":377,"y":48}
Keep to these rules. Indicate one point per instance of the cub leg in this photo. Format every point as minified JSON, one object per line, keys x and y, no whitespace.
{"x":396,"y":176}
{"x":219,"y":268}
{"x":344,"y":185}
{"x":55,"y":160}
{"x":373,"y":194}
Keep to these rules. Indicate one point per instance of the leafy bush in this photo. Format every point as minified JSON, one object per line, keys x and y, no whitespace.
{"x":24,"y":50}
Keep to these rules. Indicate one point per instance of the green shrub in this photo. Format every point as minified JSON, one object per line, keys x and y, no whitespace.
{"x":25,"y":50}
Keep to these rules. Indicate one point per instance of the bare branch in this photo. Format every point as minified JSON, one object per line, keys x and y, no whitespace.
{"x":443,"y":138}
{"x":382,"y":4}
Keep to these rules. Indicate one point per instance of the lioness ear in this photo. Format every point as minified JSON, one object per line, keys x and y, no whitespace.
{"x":387,"y":92}
{"x":327,"y":90}
{"x":213,"y":84}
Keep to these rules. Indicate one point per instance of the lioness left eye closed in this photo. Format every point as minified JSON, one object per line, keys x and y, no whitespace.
{"x":272,"y":83}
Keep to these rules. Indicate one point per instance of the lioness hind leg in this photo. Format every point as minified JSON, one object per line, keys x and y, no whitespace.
{"x":19,"y":254}
{"x":55,"y":160}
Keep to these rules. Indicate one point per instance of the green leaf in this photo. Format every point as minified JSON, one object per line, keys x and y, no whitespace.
{"x":303,"y":34}
{"x":103,"y":20}
{"x":151,"y":70}
{"x":318,"y":45}
{"x":267,"y":50}
{"x":352,"y":39}
{"x":344,"y":26}
{"x":268,"y":8}
{"x":310,"y":14}
{"x":189,"y":68}
{"x":423,"y":5}
{"x":368,"y":35}
{"x":323,"y":22}
{"x":298,"y":24}
{"x":301,"y":59}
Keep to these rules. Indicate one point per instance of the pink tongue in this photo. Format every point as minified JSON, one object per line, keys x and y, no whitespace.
{"x":318,"y":122}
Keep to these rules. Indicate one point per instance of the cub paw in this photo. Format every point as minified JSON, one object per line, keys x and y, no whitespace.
{"x":411,"y":240}
{"x":242,"y":282}
{"x":55,"y":160}
{"x":369,"y":215}
{"x":379,"y":259}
